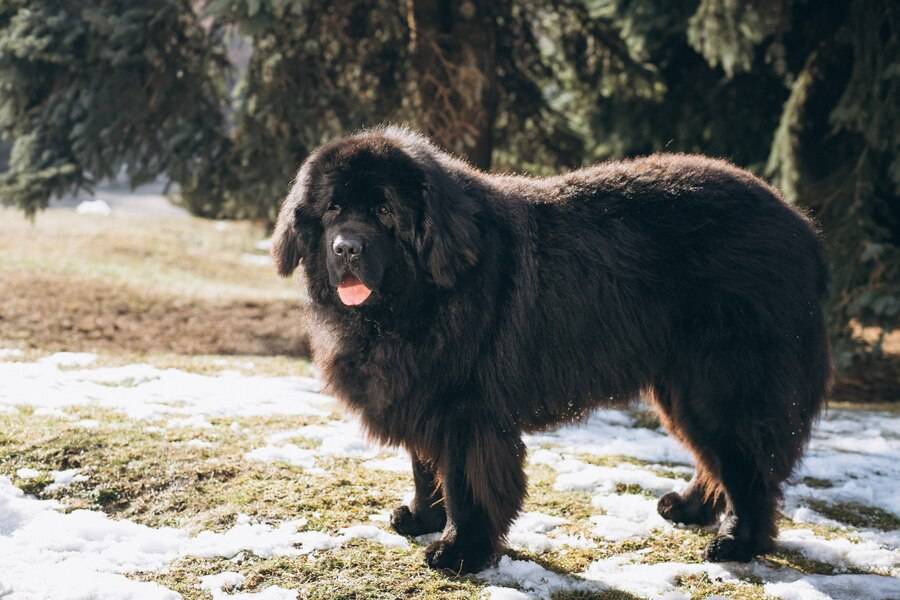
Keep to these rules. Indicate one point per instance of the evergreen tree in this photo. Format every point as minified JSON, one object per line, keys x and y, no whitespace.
{"x":90,"y":89}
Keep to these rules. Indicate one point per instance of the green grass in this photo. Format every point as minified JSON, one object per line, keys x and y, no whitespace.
{"x":856,"y":515}
{"x":361,"y":569}
{"x":700,"y":586}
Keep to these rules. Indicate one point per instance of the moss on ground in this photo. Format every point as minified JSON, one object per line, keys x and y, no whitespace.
{"x":33,"y":485}
{"x":542,"y":497}
{"x":796,"y":560}
{"x":701,"y":586}
{"x":677,"y":545}
{"x":609,"y":460}
{"x":360,"y":569}
{"x":646,"y":419}
{"x":604,"y":595}
{"x":814,"y":482}
{"x":856,"y":515}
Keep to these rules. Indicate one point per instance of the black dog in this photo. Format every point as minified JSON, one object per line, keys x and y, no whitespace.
{"x":458,"y":309}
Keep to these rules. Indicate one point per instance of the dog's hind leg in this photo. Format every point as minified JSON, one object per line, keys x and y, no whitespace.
{"x":483,"y":481}
{"x":702,"y":501}
{"x":749,"y":526}
{"x":425,"y":514}
{"x":757,"y":450}
{"x":728,"y":448}
{"x":732,"y":475}
{"x":745,"y":410}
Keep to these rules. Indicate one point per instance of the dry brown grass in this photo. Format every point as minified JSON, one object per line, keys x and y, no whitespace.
{"x":142,"y":284}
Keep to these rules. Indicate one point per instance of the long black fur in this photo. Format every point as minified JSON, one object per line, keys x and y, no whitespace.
{"x":506,"y":304}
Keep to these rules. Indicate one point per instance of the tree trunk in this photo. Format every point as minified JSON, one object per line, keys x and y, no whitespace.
{"x":454,"y":59}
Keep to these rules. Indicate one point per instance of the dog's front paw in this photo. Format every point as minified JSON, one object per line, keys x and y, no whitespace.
{"x":405,"y":522}
{"x":457,"y":556}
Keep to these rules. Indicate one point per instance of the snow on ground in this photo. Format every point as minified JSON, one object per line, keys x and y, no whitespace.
{"x":27,"y":473}
{"x":287,"y":453}
{"x":602,"y":435}
{"x":65,"y":477}
{"x":342,"y":438}
{"x":120,"y":198}
{"x":858,"y":453}
{"x":93,"y":207}
{"x":626,"y":572}
{"x":144,"y":392}
{"x":46,"y":552}
{"x":538,"y":533}
{"x":222,"y":585}
{"x":532,"y":578}
{"x":626,"y":516}
{"x":824,"y":587}
{"x":840,"y":552}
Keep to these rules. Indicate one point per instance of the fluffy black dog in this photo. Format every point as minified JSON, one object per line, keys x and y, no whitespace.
{"x":457,"y":309}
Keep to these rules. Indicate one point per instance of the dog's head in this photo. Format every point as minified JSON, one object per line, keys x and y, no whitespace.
{"x":373,"y":218}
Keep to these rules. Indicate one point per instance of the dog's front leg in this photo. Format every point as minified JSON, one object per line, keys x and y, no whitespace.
{"x":483,"y":481}
{"x":425,"y":514}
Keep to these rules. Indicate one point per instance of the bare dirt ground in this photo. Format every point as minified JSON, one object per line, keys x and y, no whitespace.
{"x":59,"y":314}
{"x":154,"y":283}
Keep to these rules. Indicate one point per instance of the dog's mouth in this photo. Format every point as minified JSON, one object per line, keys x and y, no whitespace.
{"x":352,"y":291}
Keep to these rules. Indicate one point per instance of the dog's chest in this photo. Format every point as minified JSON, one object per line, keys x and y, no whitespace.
{"x":368,"y":376}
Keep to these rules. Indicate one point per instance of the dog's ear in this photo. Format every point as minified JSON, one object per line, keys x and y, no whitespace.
{"x":286,"y":242}
{"x":450,"y":238}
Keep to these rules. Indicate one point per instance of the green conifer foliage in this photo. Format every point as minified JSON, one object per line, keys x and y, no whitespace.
{"x":89,"y":89}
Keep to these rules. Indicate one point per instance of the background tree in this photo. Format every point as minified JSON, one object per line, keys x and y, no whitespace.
{"x":88,"y":90}
{"x":805,"y":93}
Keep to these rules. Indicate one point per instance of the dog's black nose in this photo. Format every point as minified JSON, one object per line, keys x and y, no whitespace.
{"x":348,"y":247}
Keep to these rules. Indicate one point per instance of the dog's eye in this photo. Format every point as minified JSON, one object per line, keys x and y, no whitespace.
{"x":383,"y":210}
{"x":334,"y":207}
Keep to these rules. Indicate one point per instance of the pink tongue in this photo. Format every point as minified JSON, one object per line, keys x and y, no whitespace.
{"x":353,"y":292}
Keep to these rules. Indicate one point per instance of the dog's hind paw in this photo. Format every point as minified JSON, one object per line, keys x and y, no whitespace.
{"x":405,"y":522}
{"x":673,"y":507}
